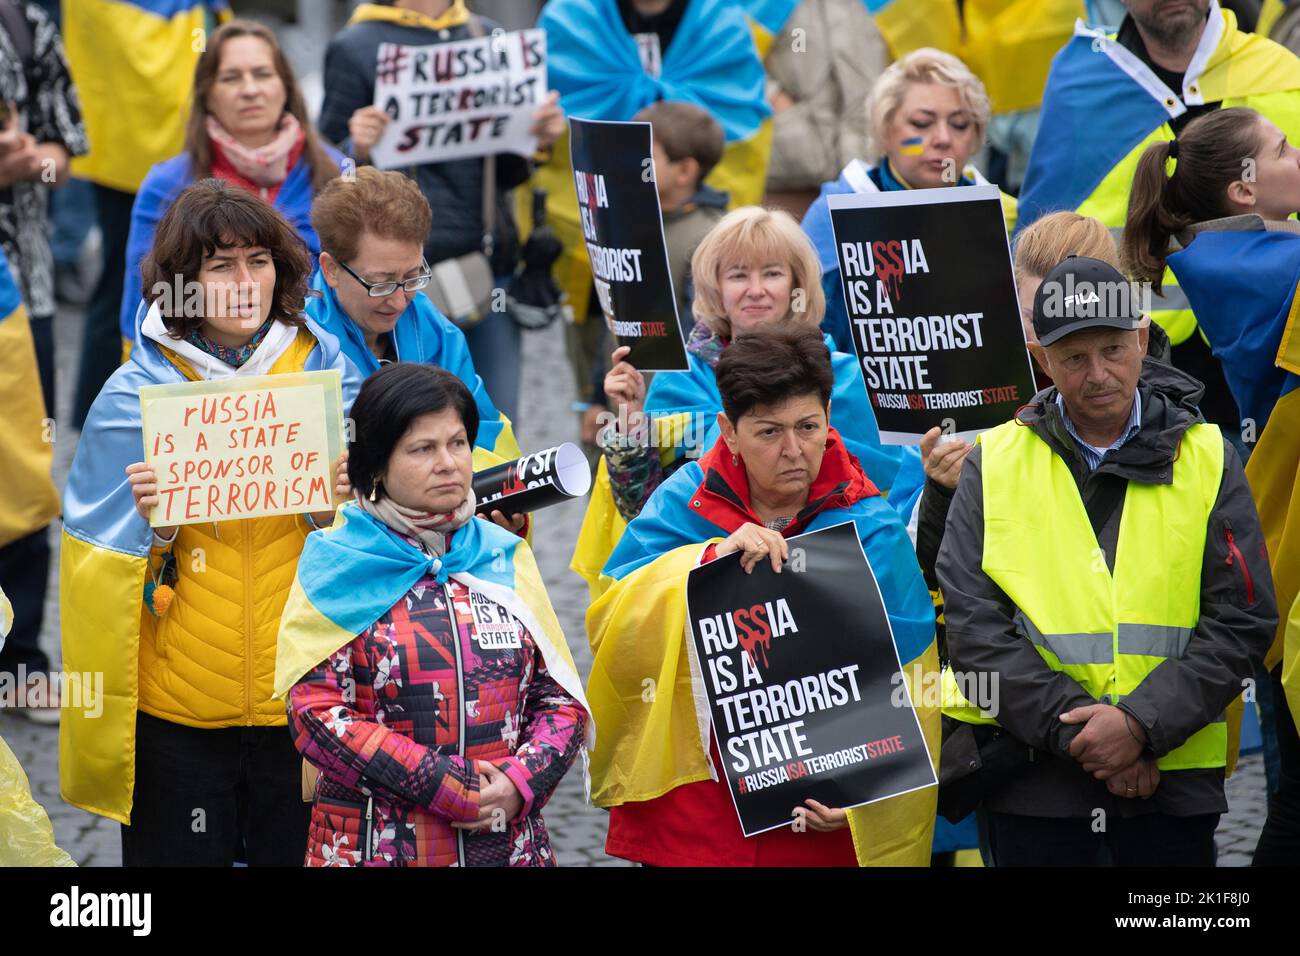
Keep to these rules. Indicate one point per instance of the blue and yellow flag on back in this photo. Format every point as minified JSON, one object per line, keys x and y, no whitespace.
{"x":30,"y":500}
{"x":133,"y":64}
{"x":1242,"y":286}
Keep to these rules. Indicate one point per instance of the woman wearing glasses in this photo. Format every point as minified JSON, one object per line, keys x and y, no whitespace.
{"x":372,"y":268}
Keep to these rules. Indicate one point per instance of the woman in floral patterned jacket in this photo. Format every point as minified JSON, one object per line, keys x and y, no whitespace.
{"x":450,"y":708}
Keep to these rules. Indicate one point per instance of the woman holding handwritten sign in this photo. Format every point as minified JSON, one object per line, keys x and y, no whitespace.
{"x":778,"y":469}
{"x":190,"y":753}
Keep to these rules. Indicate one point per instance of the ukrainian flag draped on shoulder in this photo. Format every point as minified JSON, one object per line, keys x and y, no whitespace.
{"x":684,"y":410}
{"x":637,"y":631}
{"x":1242,"y":285}
{"x":133,"y":65}
{"x":1103,"y":107}
{"x":102,"y":571}
{"x":30,"y":500}
{"x":713,"y":62}
{"x":422,"y":335}
{"x":353,"y":573}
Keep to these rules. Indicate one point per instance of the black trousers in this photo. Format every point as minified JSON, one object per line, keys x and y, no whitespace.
{"x":42,"y":327}
{"x":1279,"y":842}
{"x":24,"y":574}
{"x":101,"y":348}
{"x":215,"y":797}
{"x":1156,"y":839}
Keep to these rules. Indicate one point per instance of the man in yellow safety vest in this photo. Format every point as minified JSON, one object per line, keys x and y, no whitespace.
{"x":1108,"y":592}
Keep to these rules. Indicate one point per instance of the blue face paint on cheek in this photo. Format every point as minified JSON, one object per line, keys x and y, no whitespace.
{"x":913,"y":146}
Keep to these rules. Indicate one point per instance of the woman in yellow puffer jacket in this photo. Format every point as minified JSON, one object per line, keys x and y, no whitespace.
{"x":190,"y":753}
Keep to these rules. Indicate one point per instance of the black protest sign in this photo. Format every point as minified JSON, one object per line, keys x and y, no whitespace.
{"x":534,"y":481}
{"x":622,"y":225}
{"x":932,"y":308}
{"x":803,"y":678}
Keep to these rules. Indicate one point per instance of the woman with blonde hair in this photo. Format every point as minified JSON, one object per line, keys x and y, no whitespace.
{"x":927,"y":116}
{"x":754,"y":269}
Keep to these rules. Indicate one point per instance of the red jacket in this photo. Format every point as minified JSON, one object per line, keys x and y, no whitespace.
{"x":696,"y":824}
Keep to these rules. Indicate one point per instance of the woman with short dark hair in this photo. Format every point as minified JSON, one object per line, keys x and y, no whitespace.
{"x":182,"y":622}
{"x":427,"y":677}
{"x":777,"y":470}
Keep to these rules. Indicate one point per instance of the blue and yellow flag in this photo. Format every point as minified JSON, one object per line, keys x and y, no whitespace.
{"x":133,"y":65}
{"x":102,"y":572}
{"x":650,"y":744}
{"x":353,"y":573}
{"x":422,"y":335}
{"x":1087,"y":166}
{"x":1077,"y":159}
{"x":30,"y":501}
{"x":684,"y":408}
{"x":594,"y":63}
{"x":1242,"y":286}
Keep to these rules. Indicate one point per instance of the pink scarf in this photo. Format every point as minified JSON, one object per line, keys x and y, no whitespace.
{"x":266,"y":165}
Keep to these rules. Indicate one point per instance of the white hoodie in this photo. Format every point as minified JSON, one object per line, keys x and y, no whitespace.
{"x":209,"y":367}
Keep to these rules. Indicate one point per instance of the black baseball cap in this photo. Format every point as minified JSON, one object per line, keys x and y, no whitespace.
{"x":1082,"y":293}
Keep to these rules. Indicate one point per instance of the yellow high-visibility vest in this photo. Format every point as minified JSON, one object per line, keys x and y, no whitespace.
{"x":1106,"y":630}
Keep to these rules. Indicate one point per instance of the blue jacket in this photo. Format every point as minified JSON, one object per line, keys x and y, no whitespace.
{"x":422,"y":335}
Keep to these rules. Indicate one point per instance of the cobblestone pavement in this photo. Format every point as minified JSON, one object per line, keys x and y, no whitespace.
{"x":577,"y":830}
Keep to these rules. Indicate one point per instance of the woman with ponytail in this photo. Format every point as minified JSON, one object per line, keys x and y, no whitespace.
{"x":1216,"y":206}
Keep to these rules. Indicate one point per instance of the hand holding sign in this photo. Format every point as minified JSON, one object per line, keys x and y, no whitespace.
{"x":755,"y":543}
{"x":800,"y":673}
{"x":460,"y":99}
{"x":144,"y":491}
{"x":942,"y":460}
{"x":365,"y":128}
{"x":624,"y":384}
{"x":243,"y":447}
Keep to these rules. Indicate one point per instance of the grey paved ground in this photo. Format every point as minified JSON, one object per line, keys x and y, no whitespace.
{"x":578,"y":830}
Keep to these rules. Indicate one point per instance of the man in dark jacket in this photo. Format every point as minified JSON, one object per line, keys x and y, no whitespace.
{"x":454,"y":188}
{"x":1103,"y":565}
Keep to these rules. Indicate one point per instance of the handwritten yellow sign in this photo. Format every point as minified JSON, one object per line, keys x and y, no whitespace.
{"x":243,"y":447}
